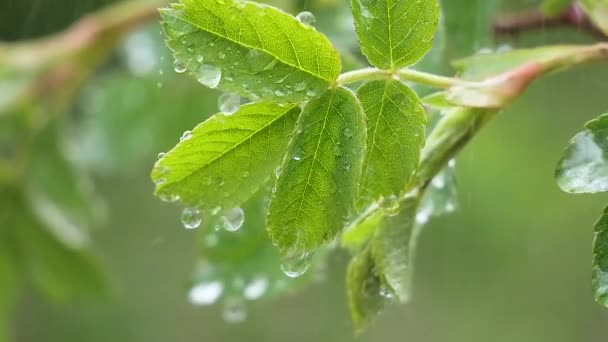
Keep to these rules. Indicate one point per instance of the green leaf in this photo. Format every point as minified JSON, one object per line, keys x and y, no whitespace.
{"x":393,"y":247}
{"x":600,"y":260}
{"x":597,"y":10}
{"x":395,"y":33}
{"x":243,"y":265}
{"x":584,"y":165}
{"x":482,"y":66}
{"x":554,"y":7}
{"x":228,"y":157}
{"x":395,"y":136}
{"x":251,"y":49}
{"x":364,"y":288}
{"x":59,"y":194}
{"x":317,"y":188}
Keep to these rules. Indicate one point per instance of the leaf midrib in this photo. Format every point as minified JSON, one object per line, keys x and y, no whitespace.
{"x":328,"y":80}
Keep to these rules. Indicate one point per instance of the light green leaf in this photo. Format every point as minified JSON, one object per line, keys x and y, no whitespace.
{"x":600,"y":260}
{"x":317,"y":188}
{"x":393,"y":247}
{"x":395,"y":33}
{"x":364,"y":288}
{"x":482,"y":66}
{"x":554,"y":7}
{"x":361,"y":229}
{"x":597,"y":10}
{"x":228,"y":157}
{"x":251,"y":49}
{"x":584,"y":165}
{"x":60,"y":195}
{"x":395,"y":135}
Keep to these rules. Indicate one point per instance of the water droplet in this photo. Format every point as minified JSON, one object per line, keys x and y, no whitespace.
{"x":256,"y":288}
{"x":168,"y":198}
{"x":452,"y":163}
{"x":297,"y":158}
{"x":179,"y":66}
{"x":277,"y":171}
{"x":438,"y":181}
{"x":205,"y":293}
{"x":300,"y":86}
{"x":295,"y":263}
{"x":209,"y":75}
{"x":279,"y":93}
{"x":233,"y":219}
{"x":160,"y":181}
{"x":391,"y":205}
{"x":186,"y":135}
{"x":271,"y":65}
{"x":234,"y":310}
{"x":191,"y":218}
{"x":348,"y":133}
{"x":311,"y":92}
{"x":386,"y":292}
{"x":229,"y":103}
{"x":161,"y":155}
{"x":221,"y":55}
{"x":200,"y":58}
{"x":306,"y":18}
{"x":216,"y":210}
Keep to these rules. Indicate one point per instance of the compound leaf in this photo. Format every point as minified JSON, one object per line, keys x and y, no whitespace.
{"x":250,"y":49}
{"x":226,"y":159}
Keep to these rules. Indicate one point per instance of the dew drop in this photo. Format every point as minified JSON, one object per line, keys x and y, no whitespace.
{"x":161,"y":155}
{"x":221,"y":55}
{"x":256,"y":288}
{"x":234,"y":310}
{"x":452,"y":163}
{"x":391,"y":205}
{"x":209,"y":75}
{"x":311,"y":92}
{"x":191,"y":218}
{"x":216,"y":210}
{"x":279,"y":93}
{"x":277,"y":171}
{"x":306,"y":18}
{"x":229,"y":103}
{"x":205,"y":293}
{"x":168,"y":198}
{"x":179,"y":66}
{"x":200,"y":58}
{"x":295,"y":263}
{"x":186,"y":135}
{"x":300,"y":86}
{"x":233,"y":219}
{"x":159,"y":181}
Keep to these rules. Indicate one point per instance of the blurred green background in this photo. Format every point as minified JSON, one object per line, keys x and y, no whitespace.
{"x":513,"y":264}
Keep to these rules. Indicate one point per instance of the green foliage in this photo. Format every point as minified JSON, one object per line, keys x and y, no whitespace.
{"x":598,"y":12}
{"x":600,"y":260}
{"x":395,"y":33}
{"x":253,"y":50}
{"x":584,"y":167}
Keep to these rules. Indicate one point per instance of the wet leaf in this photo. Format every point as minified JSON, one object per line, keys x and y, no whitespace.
{"x":584,"y":166}
{"x":227,"y":158}
{"x":317,"y":188}
{"x":395,"y":33}
{"x":250,"y":49}
{"x":395,"y":135}
{"x":600,"y":260}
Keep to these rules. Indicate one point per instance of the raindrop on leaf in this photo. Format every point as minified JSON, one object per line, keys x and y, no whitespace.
{"x":233,"y":219}
{"x":191,"y":218}
{"x":295,"y":263}
{"x":179,"y":66}
{"x":229,"y":103}
{"x":209,"y":75}
{"x":205,"y":293}
{"x":306,"y":18}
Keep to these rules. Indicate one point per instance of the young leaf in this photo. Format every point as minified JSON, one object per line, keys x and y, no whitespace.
{"x":584,"y":166}
{"x":59,"y":194}
{"x":250,"y":49}
{"x":600,"y":260}
{"x":395,"y":136}
{"x":597,"y":10}
{"x":226,"y":159}
{"x":364,"y":288}
{"x":395,"y":33}
{"x":317,"y":188}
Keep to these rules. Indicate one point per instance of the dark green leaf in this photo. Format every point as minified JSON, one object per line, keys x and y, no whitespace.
{"x":59,"y":194}
{"x":395,"y":33}
{"x":584,"y":165}
{"x":228,"y":157}
{"x":251,"y":49}
{"x":600,"y":260}
{"x":364,"y":288}
{"x":317,"y":188}
{"x":395,"y":136}
{"x":597,"y":10}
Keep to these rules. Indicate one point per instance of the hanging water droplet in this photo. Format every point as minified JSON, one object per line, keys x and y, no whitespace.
{"x":205,"y":293}
{"x":209,"y":75}
{"x":234,"y":310}
{"x":279,"y":93}
{"x":391,"y":205}
{"x":306,"y":18}
{"x":186,"y":135}
{"x":221,"y":55}
{"x":233,"y":219}
{"x":179,"y":66}
{"x":191,"y":218}
{"x":159,"y":181}
{"x":229,"y":103}
{"x":161,"y":155}
{"x":256,"y":288}
{"x":295,"y":263}
{"x":168,"y":198}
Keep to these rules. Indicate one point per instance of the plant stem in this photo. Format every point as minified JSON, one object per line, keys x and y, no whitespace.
{"x":369,"y":74}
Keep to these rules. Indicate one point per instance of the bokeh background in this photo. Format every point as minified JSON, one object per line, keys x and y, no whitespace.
{"x":512,"y":264}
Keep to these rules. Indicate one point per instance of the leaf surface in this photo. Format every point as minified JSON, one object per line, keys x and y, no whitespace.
{"x":250,"y":49}
{"x":228,"y":157}
{"x":317,"y":188}
{"x":395,"y":33}
{"x":600,"y":260}
{"x":597,"y":10}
